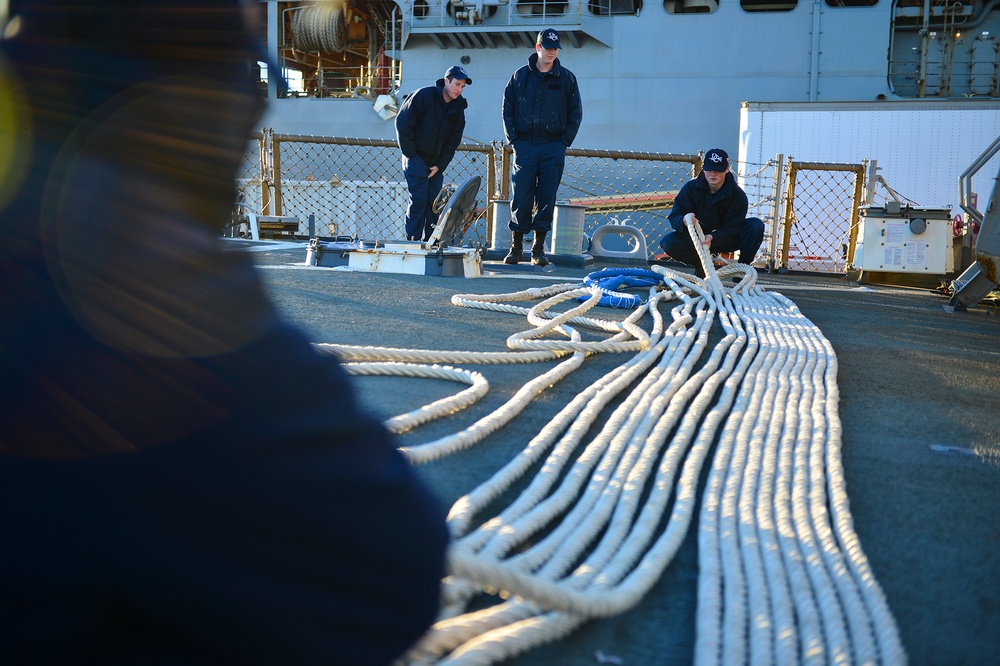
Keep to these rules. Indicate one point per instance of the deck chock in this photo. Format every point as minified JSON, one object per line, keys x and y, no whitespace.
{"x":629,"y":235}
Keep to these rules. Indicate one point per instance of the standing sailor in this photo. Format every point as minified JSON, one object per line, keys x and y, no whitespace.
{"x":542,"y":112}
{"x":429,"y":128}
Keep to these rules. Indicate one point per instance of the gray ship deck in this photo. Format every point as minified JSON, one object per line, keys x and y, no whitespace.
{"x":919,"y":386}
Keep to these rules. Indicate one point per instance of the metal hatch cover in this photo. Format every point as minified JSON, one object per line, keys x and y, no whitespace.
{"x":453,"y":216}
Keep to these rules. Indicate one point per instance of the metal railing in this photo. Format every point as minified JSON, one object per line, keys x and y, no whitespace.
{"x":442,"y":13}
{"x":355,"y":187}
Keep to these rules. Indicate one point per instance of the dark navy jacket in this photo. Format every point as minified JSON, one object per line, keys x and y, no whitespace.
{"x":542,"y":107}
{"x":184,"y":479}
{"x":720,"y":214}
{"x":429,"y":127}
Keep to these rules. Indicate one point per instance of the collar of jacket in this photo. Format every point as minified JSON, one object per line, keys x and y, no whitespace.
{"x":533,"y":65}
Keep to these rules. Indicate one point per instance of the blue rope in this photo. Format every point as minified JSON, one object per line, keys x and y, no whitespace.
{"x":610,"y":280}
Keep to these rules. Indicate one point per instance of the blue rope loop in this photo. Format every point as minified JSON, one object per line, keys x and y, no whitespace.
{"x":610,"y":280}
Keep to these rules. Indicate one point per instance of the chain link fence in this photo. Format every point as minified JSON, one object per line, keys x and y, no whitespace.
{"x":343,"y":187}
{"x":340,"y":187}
{"x":821,"y":216}
{"x":618,"y":187}
{"x":810,"y":211}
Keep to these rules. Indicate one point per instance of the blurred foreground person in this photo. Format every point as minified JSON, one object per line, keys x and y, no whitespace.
{"x":182,"y":478}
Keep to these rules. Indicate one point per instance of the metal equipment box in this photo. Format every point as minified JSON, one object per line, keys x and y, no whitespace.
{"x":394,"y":257}
{"x":414,"y":258}
{"x":438,"y":255}
{"x":901,"y":239}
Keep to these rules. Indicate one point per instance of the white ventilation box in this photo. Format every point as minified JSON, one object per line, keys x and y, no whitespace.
{"x":900,"y":239}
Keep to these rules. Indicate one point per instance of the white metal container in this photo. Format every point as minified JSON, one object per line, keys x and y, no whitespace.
{"x":412,"y":258}
{"x":895,"y":239}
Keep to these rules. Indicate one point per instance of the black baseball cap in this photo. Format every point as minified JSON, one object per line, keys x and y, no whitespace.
{"x":549,"y":39}
{"x":458,"y":72}
{"x":716,"y":160}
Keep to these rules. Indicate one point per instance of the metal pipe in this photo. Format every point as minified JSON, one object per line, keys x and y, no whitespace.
{"x":871,"y":179}
{"x":892,"y":42}
{"x":852,"y":230}
{"x":924,"y":37}
{"x":786,"y":237}
{"x":814,"y":57}
{"x":272,"y":49}
{"x":394,"y":72}
{"x":965,"y":180}
{"x":778,"y":219}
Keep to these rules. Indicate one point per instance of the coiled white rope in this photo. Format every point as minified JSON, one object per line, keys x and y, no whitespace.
{"x":782,"y":578}
{"x":478,"y":387}
{"x":321,"y":28}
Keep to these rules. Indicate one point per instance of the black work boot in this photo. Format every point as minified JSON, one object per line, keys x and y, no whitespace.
{"x":538,"y":257}
{"x":516,"y":253}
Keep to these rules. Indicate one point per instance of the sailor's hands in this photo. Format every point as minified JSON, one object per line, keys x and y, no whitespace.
{"x":691,"y":219}
{"x":432,"y":171}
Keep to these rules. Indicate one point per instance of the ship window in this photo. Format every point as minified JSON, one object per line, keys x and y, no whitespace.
{"x":690,"y":6}
{"x":542,"y":8}
{"x":615,"y":7}
{"x":421,"y":9}
{"x":768,"y":5}
{"x":851,"y":3}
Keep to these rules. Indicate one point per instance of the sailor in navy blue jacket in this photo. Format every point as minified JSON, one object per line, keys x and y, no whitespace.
{"x":429,"y":127}
{"x":542,"y":111}
{"x":720,"y":207}
{"x":542,"y":106}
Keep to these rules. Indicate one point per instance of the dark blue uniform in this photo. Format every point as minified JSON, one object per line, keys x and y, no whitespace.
{"x":183,"y":479}
{"x":722,"y":214}
{"x":428,"y":130}
{"x":541,"y":116}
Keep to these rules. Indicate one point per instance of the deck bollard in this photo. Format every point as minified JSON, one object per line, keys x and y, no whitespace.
{"x":567,"y":228}
{"x":501,"y":232}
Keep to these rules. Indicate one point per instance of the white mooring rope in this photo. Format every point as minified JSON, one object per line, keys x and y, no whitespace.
{"x":782,"y":576}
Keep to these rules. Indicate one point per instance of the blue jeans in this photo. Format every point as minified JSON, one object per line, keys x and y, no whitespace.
{"x":535,"y":178}
{"x":679,"y":246}
{"x":420,"y":215}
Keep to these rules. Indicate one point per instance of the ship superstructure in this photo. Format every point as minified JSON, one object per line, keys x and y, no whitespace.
{"x":655,"y":76}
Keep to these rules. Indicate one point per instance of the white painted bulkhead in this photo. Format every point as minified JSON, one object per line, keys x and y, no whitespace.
{"x":921,"y":146}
